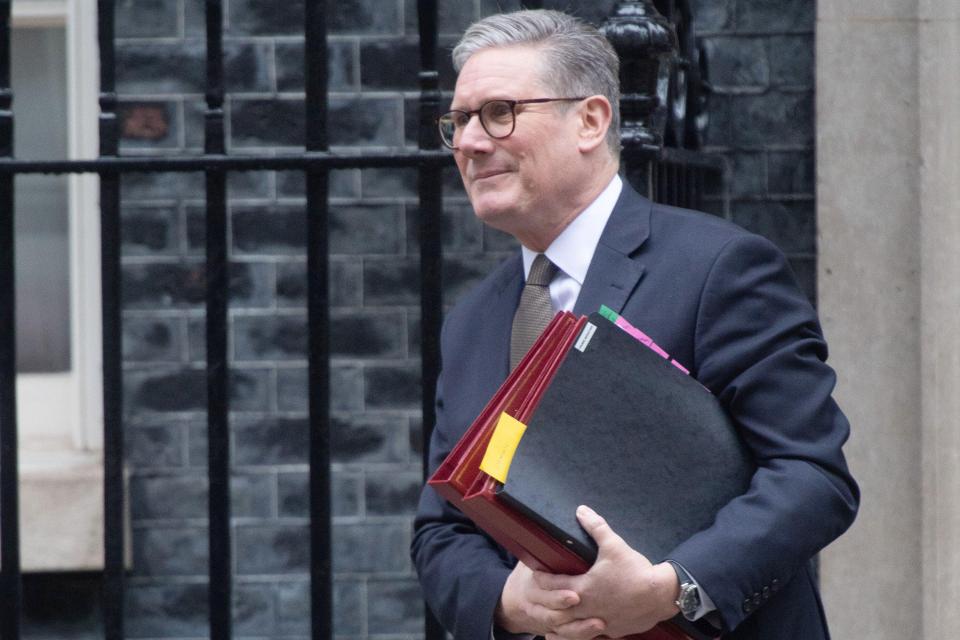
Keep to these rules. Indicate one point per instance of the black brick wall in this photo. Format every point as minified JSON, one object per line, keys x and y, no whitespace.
{"x":762,"y":118}
{"x":761,"y":54}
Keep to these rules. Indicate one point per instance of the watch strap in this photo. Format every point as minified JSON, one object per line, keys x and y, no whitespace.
{"x":682,"y":574}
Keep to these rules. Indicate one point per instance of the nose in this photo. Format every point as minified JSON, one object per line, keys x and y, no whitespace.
{"x":474,"y":139}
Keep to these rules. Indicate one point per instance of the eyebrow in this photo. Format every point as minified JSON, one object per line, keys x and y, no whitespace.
{"x":482,"y":102}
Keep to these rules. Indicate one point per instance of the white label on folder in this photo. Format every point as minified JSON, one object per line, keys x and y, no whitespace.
{"x":585,"y":336}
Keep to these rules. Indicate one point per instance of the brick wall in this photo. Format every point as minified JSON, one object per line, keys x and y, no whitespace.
{"x":374,"y":318}
{"x":760,"y":54}
{"x":761,"y":121}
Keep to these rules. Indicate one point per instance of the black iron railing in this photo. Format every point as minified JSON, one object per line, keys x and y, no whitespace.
{"x":10,"y":590}
{"x":316,"y":162}
{"x":672,"y":176}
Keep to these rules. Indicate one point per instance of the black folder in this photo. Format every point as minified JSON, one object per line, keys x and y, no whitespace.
{"x":626,"y":432}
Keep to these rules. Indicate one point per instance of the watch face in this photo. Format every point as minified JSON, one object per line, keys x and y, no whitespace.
{"x":689,"y":600}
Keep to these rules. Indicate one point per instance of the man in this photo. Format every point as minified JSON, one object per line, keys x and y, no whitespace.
{"x":535,"y":132}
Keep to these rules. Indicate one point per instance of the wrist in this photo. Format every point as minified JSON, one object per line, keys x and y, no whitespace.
{"x":668,"y":589}
{"x":508,"y":614}
{"x":502,"y":619}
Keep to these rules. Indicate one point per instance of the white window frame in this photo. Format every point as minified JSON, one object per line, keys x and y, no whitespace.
{"x":65,"y":410}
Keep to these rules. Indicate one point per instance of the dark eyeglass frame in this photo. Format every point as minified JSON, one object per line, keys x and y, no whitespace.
{"x":479,"y":113}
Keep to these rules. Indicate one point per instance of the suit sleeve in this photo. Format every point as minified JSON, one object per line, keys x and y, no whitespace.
{"x":462,"y":571}
{"x":759,"y":348}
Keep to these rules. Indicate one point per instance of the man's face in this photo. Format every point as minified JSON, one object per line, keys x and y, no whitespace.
{"x":520,"y":184}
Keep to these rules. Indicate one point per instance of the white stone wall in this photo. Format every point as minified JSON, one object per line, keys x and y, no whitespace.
{"x":888,"y":191}
{"x":939,"y":111}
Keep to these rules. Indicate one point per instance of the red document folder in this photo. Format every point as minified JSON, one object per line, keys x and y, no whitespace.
{"x":455,"y":476}
{"x":460,"y":480}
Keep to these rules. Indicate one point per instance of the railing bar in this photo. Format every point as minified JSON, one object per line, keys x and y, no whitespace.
{"x":318,"y":322}
{"x":654,"y":168}
{"x":669,"y":193}
{"x":315,"y":65}
{"x":683,"y":194}
{"x":699,"y":178}
{"x":666,"y":189}
{"x":431,"y":219}
{"x":430,"y":192}
{"x":321,"y":532}
{"x":674,"y":184}
{"x":680,"y":185}
{"x":316,"y":160}
{"x":663,"y":178}
{"x":663,"y":194}
{"x":218,"y":371}
{"x":431,"y":213}
{"x":679,"y":180}
{"x":676,"y":180}
{"x":11,"y":592}
{"x":110,"y":274}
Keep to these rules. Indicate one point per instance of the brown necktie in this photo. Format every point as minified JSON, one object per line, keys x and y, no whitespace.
{"x":534,"y":311}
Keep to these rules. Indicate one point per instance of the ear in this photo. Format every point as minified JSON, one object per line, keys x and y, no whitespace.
{"x":595,"y":115}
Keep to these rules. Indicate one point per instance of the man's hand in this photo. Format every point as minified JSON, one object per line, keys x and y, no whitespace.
{"x":526,"y":607}
{"x":622,"y":588}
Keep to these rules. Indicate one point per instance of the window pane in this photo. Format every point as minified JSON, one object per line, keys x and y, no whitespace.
{"x":42,"y":217}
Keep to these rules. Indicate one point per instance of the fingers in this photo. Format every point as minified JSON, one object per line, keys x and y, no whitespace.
{"x":584,"y":629}
{"x":550,"y":619}
{"x":526,"y":607}
{"x":597,"y":527}
{"x":555,"y":599}
{"x":550,"y":591}
{"x":556,"y":582}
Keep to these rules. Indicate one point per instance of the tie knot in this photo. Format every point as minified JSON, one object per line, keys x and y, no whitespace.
{"x":541,"y":271}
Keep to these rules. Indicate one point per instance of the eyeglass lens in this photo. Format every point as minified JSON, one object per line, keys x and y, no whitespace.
{"x":496,"y":118}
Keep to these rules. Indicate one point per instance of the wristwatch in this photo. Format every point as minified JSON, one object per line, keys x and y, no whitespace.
{"x":689,"y":599}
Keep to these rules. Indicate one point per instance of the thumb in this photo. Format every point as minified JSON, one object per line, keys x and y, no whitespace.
{"x":597,"y":527}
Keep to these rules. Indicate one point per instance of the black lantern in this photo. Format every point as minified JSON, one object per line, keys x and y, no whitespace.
{"x":646,"y":43}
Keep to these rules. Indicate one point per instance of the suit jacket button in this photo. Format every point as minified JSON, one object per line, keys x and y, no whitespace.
{"x":757,"y":600}
{"x":747,"y":606}
{"x":765,"y":594}
{"x":775,"y":585}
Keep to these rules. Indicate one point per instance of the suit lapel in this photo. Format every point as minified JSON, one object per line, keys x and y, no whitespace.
{"x":613,"y":273}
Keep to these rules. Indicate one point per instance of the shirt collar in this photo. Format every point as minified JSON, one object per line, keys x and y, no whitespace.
{"x":573,"y":249}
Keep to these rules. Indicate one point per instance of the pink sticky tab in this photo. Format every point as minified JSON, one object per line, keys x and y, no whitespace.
{"x":648,"y":341}
{"x":656,"y":347}
{"x":633,"y":331}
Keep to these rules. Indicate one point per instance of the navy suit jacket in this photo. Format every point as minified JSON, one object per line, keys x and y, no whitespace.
{"x":724,"y":303}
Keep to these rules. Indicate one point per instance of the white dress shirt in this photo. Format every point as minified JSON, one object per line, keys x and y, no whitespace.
{"x":573,"y":249}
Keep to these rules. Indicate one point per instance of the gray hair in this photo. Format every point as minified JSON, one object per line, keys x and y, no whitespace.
{"x":579,"y":60}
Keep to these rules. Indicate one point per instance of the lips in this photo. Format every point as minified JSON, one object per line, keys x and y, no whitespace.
{"x":490,"y":173}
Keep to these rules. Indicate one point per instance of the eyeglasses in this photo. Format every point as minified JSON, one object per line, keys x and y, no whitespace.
{"x":497,"y":117}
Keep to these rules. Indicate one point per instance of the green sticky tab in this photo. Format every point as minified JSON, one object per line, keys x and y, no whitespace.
{"x":608,"y":313}
{"x":503,"y":444}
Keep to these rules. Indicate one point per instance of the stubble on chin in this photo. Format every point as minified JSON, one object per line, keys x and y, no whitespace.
{"x":492,"y":214}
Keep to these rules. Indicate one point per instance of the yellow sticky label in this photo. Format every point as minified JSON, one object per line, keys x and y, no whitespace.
{"x":506,"y":436}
